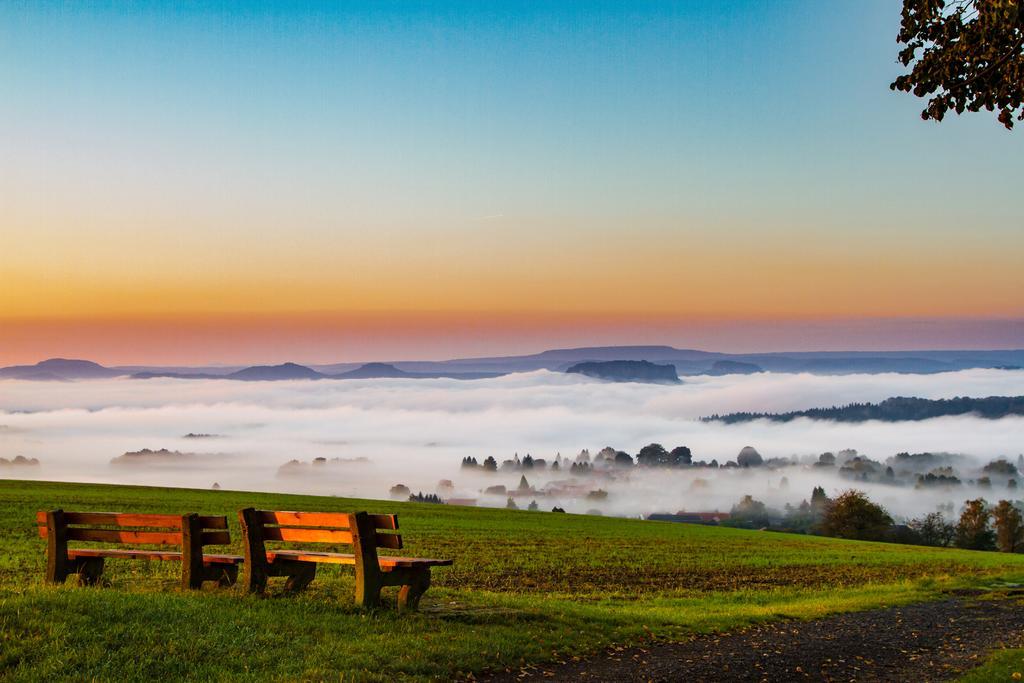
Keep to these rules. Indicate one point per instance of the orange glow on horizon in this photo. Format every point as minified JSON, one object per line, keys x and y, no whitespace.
{"x":238,"y":339}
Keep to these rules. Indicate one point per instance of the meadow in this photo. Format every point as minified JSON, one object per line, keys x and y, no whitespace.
{"x":526,"y":587}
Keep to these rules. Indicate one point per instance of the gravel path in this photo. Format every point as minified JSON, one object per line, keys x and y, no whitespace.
{"x":927,"y":642}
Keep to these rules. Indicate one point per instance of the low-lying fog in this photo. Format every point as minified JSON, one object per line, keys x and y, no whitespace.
{"x":416,"y":432}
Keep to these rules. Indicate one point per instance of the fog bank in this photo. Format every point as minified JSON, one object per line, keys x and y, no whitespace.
{"x":416,"y":432}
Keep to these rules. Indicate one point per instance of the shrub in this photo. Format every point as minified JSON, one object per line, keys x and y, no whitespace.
{"x":973,"y":531}
{"x":1009,"y":527}
{"x":853,"y":515}
{"x":933,"y":529}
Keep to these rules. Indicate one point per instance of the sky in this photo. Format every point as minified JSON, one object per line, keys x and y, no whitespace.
{"x":259,"y":182}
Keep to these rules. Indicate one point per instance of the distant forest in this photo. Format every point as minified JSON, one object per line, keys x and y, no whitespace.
{"x":898,"y":409}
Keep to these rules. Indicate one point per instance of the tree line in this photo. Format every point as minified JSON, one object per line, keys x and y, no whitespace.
{"x":898,"y":409}
{"x":852,"y":515}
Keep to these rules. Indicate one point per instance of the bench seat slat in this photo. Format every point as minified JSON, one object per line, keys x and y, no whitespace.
{"x":345,"y":558}
{"x":160,"y":555}
{"x":311,"y":556}
{"x":388,"y":562}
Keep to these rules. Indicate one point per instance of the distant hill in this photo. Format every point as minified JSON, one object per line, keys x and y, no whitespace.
{"x":686,"y":362}
{"x":389,"y":371}
{"x":628,"y":371}
{"x":556,"y":360}
{"x":373,"y":371}
{"x":276,"y":372}
{"x":288,"y":371}
{"x":58,"y":369}
{"x":176,"y":375}
{"x":695,"y":362}
{"x":42,"y":377}
{"x":898,"y":409}
{"x":733,"y":367}
{"x":170,"y":370}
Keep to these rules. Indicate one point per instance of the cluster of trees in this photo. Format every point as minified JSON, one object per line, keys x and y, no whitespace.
{"x":420,"y":497}
{"x":532,"y":507}
{"x":528,"y":462}
{"x":922,"y":470}
{"x":853,"y":515}
{"x":943,"y":479}
{"x":651,"y":455}
{"x":984,"y":527}
{"x":19,"y":460}
{"x":892,"y":410}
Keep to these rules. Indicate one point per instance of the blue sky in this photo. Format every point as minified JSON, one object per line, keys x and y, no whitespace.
{"x":286,"y":154}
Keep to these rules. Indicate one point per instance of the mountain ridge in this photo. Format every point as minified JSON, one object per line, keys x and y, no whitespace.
{"x":627,"y":371}
{"x":687,"y":362}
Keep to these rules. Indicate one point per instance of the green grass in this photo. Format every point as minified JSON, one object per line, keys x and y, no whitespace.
{"x":526,"y":587}
{"x":1004,"y":665}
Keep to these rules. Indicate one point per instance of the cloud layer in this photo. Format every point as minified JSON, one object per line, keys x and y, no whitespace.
{"x":417,"y":431}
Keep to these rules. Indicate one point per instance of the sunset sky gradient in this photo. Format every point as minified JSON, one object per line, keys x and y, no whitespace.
{"x":202,"y":183}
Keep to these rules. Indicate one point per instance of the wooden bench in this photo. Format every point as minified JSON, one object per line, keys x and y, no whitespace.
{"x":190,"y":532}
{"x":364,"y":532}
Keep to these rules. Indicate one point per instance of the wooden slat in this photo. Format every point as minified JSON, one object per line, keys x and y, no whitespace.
{"x":392,"y":541}
{"x":161,"y":555}
{"x":309,"y":556}
{"x":216,"y":538}
{"x":223,"y":559}
{"x":119,"y":519}
{"x":387,"y":562}
{"x":343,"y":558}
{"x":121,"y":536}
{"x":214,"y":522}
{"x":338,"y":520}
{"x":272,"y":533}
{"x":123,"y":519}
{"x":389,"y":522}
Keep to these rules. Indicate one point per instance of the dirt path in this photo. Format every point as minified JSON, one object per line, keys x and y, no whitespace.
{"x":927,"y":642}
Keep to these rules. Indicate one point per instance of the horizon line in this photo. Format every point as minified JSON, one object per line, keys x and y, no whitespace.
{"x":313,"y":364}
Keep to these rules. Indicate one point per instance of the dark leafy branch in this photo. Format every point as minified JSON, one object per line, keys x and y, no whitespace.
{"x":966,"y":55}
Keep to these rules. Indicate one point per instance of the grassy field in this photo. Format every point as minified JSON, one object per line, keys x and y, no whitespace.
{"x":526,"y":587}
{"x":1006,"y":665}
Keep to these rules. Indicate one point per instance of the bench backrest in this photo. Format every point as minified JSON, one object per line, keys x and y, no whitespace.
{"x":118,"y":527}
{"x":363,"y":531}
{"x":336,"y":528}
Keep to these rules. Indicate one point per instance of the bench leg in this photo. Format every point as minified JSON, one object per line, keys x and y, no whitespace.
{"x":255,"y":579}
{"x":58,"y":564}
{"x":368,"y":590}
{"x":56,"y":571}
{"x":300,"y":575}
{"x":410,"y":593}
{"x":89,"y":570}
